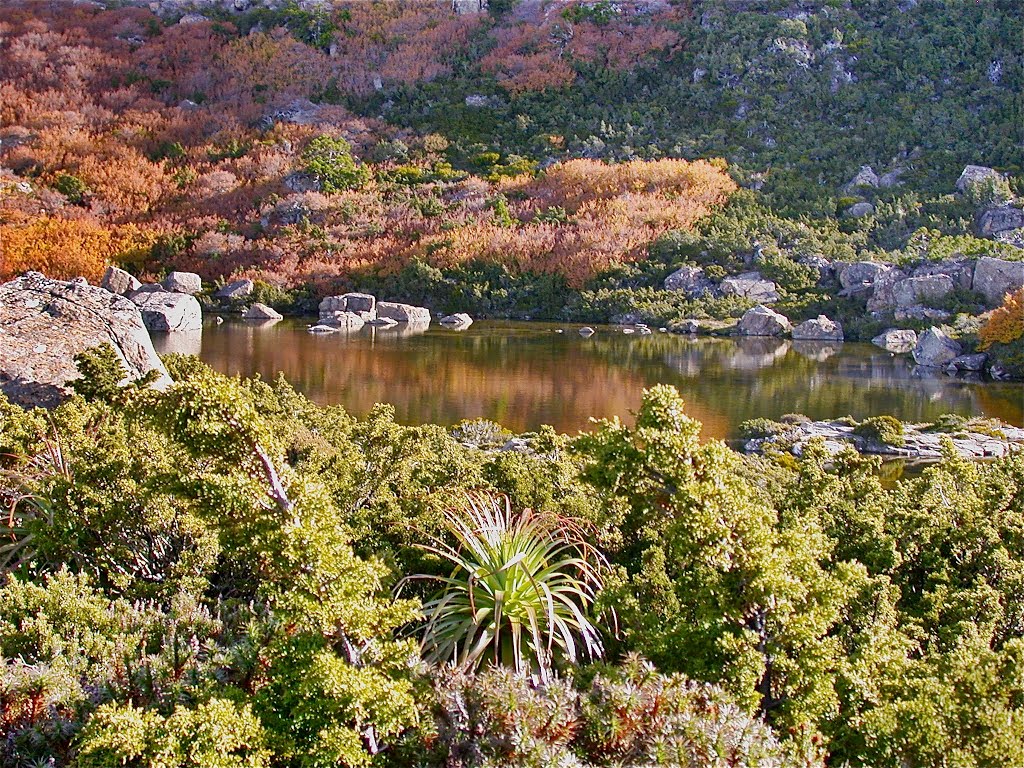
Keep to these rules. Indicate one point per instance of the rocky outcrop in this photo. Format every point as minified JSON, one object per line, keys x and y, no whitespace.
{"x":919,"y":442}
{"x":118,"y":281}
{"x":994,"y":278}
{"x":974,"y":174}
{"x":262,"y":312}
{"x":762,"y":321}
{"x":961,"y":272}
{"x":819,"y":329}
{"x":883,"y":296}
{"x":45,"y":323}
{"x":859,"y":276}
{"x":166,"y":311}
{"x":239,"y":289}
{"x":934,"y":349}
{"x":750,"y":285}
{"x":923,"y":290}
{"x":183,"y":282}
{"x":691,"y":280}
{"x":897,"y":340}
{"x":346,"y":321}
{"x":1001,"y":218}
{"x":403,"y":313}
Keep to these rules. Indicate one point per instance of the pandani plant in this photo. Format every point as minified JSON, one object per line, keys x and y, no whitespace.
{"x":519,"y":591}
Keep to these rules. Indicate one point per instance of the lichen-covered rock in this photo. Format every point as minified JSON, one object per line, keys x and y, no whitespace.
{"x":819,"y":329}
{"x":362,"y":304}
{"x":236,"y":290}
{"x":923,"y":290}
{"x":762,"y":321}
{"x":934,"y":349}
{"x":262,"y":312}
{"x":898,"y":340}
{"x":994,"y":278}
{"x":183,"y":282}
{"x":118,"y":281}
{"x":167,"y":311}
{"x":403,"y":313}
{"x":45,"y":323}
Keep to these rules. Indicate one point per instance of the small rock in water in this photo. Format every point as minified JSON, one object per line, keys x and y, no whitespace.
{"x":586,"y":331}
{"x":558,"y":330}
{"x":322,"y":329}
{"x":628,"y":330}
{"x":663,"y":330}
{"x":218,"y":320}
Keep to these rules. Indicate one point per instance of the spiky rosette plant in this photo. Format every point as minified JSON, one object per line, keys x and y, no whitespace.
{"x":519,"y":591}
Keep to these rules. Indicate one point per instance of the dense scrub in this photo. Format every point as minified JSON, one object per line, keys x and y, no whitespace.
{"x":211,"y":576}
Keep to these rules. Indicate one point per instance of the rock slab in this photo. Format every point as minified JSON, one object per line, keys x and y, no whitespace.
{"x":44,"y":323}
{"x":403,"y":313}
{"x":167,"y":311}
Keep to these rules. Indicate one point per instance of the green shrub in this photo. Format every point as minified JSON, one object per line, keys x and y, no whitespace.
{"x":330,"y":162}
{"x":883,"y":429}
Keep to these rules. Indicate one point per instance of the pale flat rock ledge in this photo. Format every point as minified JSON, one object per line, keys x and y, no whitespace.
{"x":44,"y":323}
{"x":920,"y":445}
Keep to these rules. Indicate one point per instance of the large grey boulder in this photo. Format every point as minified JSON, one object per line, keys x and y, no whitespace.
{"x":974,"y":174}
{"x":167,"y":311}
{"x":236,"y":290}
{"x":999,"y":219}
{"x":762,"y":321}
{"x":922,"y":290}
{"x":691,"y":280}
{"x":262,"y":312}
{"x":183,"y":282}
{"x":403,"y":313}
{"x":750,"y":285}
{"x":118,"y":281}
{"x":935,"y":349}
{"x":45,"y":323}
{"x":347,"y":321}
{"x":994,"y":278}
{"x":898,"y":340}
{"x":819,"y":329}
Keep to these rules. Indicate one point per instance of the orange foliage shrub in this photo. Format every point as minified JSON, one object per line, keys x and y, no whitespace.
{"x":543,"y":49}
{"x":1005,"y":324}
{"x":65,"y":248}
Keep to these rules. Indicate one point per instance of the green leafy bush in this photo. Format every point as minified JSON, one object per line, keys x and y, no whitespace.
{"x":883,"y":429}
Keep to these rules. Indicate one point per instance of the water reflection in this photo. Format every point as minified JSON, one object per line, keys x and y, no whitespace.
{"x":524,"y":374}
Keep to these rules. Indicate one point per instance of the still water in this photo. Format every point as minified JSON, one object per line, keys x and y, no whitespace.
{"x":524,"y":375}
